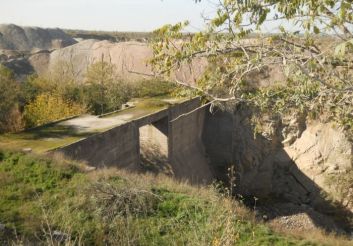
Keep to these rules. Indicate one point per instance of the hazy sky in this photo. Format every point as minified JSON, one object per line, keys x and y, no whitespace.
{"x":114,"y":15}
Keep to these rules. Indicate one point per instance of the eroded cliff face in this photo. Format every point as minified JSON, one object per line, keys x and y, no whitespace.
{"x":323,"y":153}
{"x":13,"y":37}
{"x":129,"y":58}
{"x":307,"y":163}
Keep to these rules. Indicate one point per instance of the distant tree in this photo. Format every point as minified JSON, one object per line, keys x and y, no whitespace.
{"x":10,"y":95}
{"x":99,"y":76}
{"x":314,"y":48}
{"x":104,"y":92}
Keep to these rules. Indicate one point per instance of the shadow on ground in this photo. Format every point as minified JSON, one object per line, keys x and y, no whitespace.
{"x":55,"y":131}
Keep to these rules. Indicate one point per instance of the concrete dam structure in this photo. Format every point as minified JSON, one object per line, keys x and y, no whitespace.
{"x":175,"y":133}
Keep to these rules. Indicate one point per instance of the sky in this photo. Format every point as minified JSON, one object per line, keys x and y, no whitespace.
{"x":107,"y":15}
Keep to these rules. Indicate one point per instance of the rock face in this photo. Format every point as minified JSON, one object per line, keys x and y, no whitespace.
{"x":292,"y":160}
{"x":47,"y":50}
{"x":14,"y":37}
{"x":25,"y":50}
{"x":20,"y":66}
{"x":129,"y":56}
{"x":321,"y":151}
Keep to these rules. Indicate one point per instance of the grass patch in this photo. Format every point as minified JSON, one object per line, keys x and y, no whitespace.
{"x":41,"y":195}
{"x":24,"y":180}
{"x":43,"y":138}
{"x":154,"y":103}
{"x":144,"y":106}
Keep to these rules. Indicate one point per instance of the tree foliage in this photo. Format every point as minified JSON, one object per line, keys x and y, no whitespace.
{"x":104,"y":92}
{"x":48,"y":108}
{"x":313,"y":47}
{"x":10,"y":95}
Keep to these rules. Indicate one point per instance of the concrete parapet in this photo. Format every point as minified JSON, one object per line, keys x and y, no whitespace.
{"x":118,"y":147}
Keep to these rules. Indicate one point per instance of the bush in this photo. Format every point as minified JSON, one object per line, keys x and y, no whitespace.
{"x":101,"y":99}
{"x":153,"y":88}
{"x":50,"y":107}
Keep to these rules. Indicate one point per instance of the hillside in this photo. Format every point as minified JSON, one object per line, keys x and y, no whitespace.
{"x":46,"y":201}
{"x":111,"y":36}
{"x":130,"y":60}
{"x":18,"y":43}
{"x":292,"y":169}
{"x":14,"y":37}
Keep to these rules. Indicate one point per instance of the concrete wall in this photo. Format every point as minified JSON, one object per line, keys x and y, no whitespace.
{"x":218,"y":141}
{"x":229,"y":141}
{"x":186,"y":151}
{"x":118,"y":147}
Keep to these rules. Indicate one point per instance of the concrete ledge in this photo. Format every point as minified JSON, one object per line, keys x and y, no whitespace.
{"x":148,"y":119}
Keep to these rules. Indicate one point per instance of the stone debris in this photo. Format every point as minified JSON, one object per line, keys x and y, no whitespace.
{"x":27,"y":150}
{"x":297,"y":217}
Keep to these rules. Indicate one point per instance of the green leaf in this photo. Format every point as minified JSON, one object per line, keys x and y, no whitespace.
{"x":316,"y":30}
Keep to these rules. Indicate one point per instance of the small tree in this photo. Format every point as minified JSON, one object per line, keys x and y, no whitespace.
{"x":66,"y":86}
{"x":314,"y":49}
{"x":98,"y":78}
{"x":103,"y":91}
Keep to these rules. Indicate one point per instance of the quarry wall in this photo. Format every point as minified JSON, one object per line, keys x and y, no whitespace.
{"x":186,"y":150}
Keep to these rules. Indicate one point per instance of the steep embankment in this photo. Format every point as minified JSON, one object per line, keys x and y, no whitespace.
{"x":26,"y":50}
{"x":292,"y":160}
{"x":14,"y":37}
{"x":17,"y":44}
{"x":130,"y":60}
{"x":46,"y":201}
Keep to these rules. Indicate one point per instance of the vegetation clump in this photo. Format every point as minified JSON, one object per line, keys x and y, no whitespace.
{"x":47,"y":98}
{"x":10,"y":96}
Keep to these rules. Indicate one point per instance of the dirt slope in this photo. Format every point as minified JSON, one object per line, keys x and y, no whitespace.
{"x":130,"y":59}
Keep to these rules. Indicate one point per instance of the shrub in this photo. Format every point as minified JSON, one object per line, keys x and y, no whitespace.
{"x":50,"y":107}
{"x":153,"y":88}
